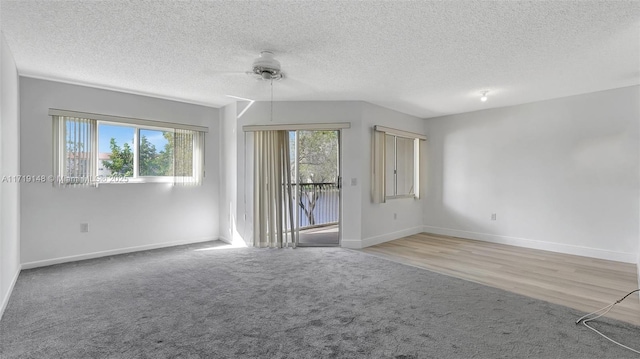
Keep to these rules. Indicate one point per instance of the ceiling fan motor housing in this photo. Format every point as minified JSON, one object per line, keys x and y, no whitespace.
{"x":266,"y":66}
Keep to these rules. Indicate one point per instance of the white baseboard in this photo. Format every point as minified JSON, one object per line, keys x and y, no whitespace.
{"x":372,"y":241}
{"x":351,"y":243}
{"x":5,"y":300}
{"x":535,"y":244}
{"x":111,"y":252}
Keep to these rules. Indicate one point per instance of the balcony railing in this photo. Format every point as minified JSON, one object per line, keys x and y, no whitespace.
{"x":318,"y":204}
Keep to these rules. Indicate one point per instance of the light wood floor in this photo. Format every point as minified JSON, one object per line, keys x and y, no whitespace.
{"x":581,"y":283}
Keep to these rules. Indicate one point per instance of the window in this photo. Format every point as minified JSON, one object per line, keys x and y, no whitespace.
{"x":116,"y":150}
{"x":90,"y":149}
{"x":156,"y":152}
{"x":396,"y":164}
{"x":399,"y":166}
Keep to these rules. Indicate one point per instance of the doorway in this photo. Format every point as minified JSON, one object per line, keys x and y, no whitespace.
{"x":315,"y":168}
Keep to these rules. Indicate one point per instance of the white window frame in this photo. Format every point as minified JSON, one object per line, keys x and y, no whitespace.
{"x":416,"y":168}
{"x":141,"y":124}
{"x":137,"y":178}
{"x":379,"y":163}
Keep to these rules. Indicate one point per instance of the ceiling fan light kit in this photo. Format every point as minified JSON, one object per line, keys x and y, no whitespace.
{"x":266,"y":67}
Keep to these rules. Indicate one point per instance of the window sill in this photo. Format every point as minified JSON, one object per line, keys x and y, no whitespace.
{"x":138,"y":180}
{"x":129,"y":180}
{"x":410,"y":196}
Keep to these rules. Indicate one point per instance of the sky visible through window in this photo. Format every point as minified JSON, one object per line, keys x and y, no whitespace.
{"x":124,"y":134}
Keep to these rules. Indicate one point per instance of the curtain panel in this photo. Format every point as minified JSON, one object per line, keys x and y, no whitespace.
{"x":273,"y":201}
{"x":75,"y":146}
{"x":188,"y":160}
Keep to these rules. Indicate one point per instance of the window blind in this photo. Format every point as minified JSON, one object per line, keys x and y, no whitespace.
{"x":188,"y":165}
{"x":75,"y":151}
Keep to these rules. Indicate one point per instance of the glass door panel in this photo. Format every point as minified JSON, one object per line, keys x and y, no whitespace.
{"x":315,"y":167}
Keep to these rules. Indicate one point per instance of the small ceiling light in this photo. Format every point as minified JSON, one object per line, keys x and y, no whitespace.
{"x":484,"y":96}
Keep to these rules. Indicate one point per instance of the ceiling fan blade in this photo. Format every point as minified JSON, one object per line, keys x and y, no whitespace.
{"x":209,"y":72}
{"x":292,"y":83}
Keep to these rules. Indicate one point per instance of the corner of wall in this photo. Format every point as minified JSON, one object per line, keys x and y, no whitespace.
{"x":9,"y":165}
{"x":5,"y":299}
{"x":230,"y":224}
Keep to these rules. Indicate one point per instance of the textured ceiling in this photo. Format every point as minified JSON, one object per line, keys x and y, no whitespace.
{"x":424,"y":58}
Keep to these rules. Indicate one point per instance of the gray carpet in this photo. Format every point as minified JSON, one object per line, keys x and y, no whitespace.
{"x":185,"y":302}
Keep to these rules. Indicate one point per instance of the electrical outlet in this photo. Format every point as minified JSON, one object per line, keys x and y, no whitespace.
{"x":395,"y":216}
{"x":493,"y":216}
{"x":84,"y":227}
{"x":354,"y":181}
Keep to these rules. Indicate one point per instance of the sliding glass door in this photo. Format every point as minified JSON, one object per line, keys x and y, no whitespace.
{"x":315,"y":168}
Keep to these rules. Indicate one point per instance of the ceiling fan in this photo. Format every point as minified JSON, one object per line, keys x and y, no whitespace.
{"x":266,"y":67}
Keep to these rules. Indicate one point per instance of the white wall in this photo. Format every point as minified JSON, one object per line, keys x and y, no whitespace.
{"x":378,"y":223}
{"x":561,"y":175}
{"x":9,"y":165}
{"x":121,"y":217}
{"x":363,"y":223}
{"x":229,"y":174}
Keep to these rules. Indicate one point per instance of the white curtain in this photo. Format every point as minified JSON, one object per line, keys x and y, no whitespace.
{"x":188,"y":160}
{"x":75,"y":152}
{"x":273,"y":203}
{"x":378,"y":157}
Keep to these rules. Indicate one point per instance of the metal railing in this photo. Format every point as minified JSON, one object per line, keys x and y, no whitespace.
{"x":318,"y":204}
